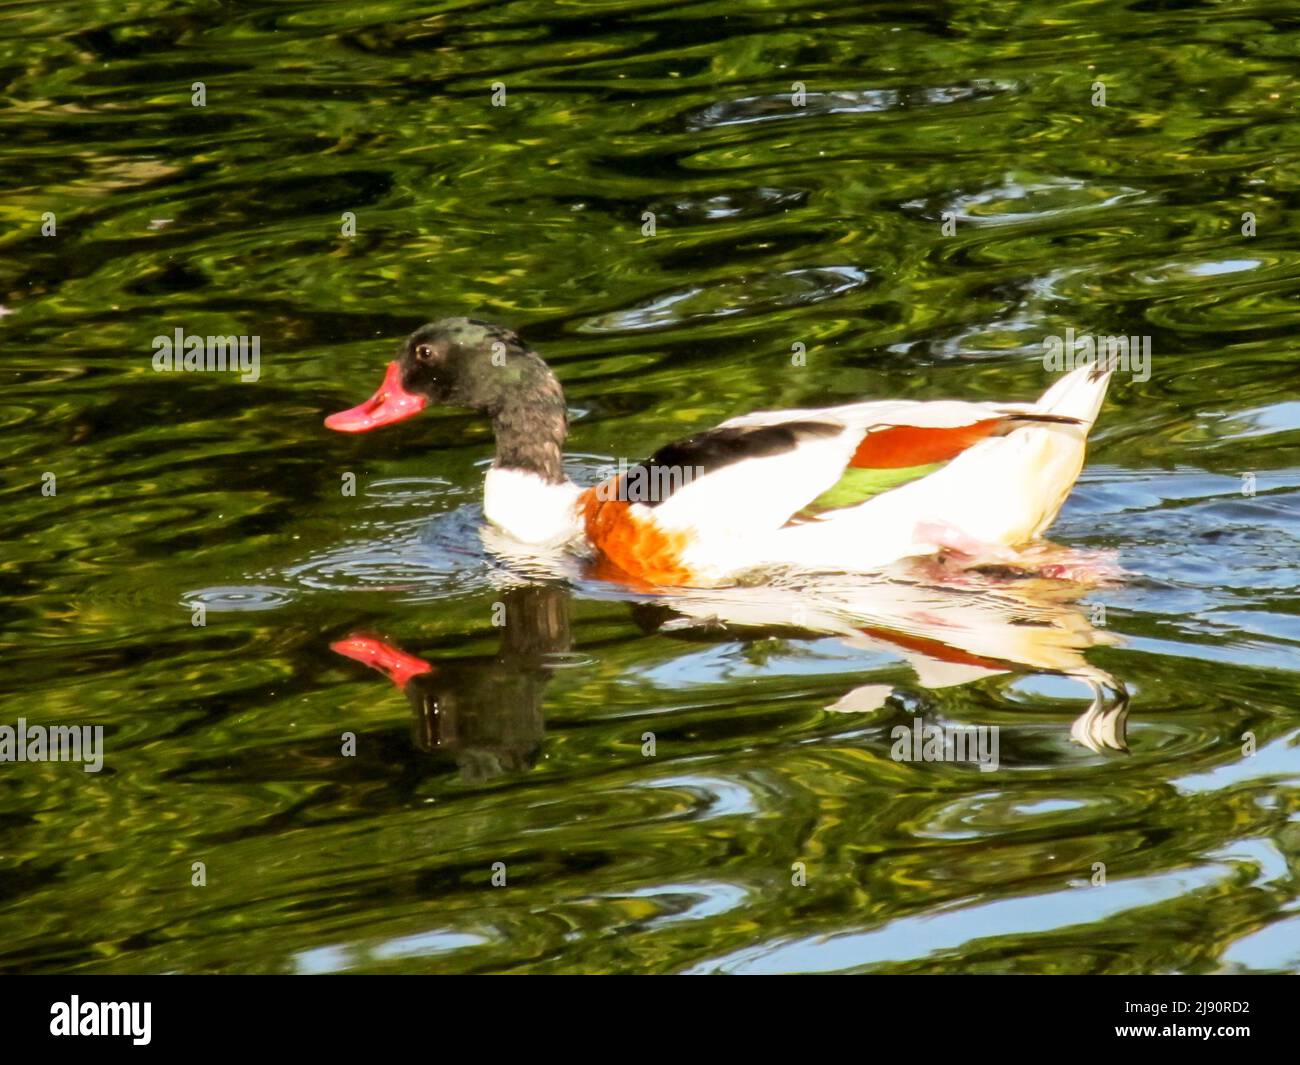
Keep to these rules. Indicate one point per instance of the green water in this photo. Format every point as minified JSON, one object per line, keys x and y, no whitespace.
{"x":766,"y":832}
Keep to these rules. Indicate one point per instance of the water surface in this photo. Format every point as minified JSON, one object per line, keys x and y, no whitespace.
{"x":776,"y":225}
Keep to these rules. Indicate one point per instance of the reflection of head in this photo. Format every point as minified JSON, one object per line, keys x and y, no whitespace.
{"x":486,"y":714}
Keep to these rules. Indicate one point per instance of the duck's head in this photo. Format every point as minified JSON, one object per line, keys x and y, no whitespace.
{"x":454,"y":362}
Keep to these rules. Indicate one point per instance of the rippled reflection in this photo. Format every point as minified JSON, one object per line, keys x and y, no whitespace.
{"x":485,"y":715}
{"x":488,"y":715}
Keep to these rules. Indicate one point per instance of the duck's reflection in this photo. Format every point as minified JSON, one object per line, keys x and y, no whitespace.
{"x":951,"y":626}
{"x":486,"y":714}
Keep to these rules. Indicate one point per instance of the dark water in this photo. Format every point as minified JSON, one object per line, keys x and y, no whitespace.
{"x":775,"y":225}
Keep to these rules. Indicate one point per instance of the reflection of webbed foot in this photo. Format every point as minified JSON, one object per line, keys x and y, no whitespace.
{"x":1103,"y":725}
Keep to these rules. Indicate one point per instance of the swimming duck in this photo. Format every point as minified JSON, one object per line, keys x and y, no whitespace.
{"x":849,"y":488}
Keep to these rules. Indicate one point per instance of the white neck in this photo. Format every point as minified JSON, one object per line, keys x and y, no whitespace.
{"x":530,"y":509}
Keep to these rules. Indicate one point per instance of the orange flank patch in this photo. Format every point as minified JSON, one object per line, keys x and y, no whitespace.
{"x":636,"y":546}
{"x":901,"y":446}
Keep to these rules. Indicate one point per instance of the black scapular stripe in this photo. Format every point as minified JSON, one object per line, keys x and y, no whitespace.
{"x":699,"y":455}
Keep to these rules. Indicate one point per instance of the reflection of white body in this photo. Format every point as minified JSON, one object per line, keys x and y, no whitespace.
{"x":952,"y":629}
{"x":950,"y":634}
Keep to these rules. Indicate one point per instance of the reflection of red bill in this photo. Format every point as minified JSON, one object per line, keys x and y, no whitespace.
{"x":396,"y":665}
{"x":392,"y":403}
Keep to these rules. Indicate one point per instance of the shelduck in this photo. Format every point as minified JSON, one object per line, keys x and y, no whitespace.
{"x":850,"y":488}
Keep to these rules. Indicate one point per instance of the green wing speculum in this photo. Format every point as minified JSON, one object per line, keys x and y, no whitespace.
{"x":857,"y":485}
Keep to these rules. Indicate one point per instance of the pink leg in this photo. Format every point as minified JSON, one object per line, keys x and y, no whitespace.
{"x":1039,"y":559}
{"x":950,"y":538}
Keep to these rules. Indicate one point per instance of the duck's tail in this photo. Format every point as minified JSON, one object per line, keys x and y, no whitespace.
{"x":1024,"y":478}
{"x":1054,"y":457}
{"x":1078,"y":395}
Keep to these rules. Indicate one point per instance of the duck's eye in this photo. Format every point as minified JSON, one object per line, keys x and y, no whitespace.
{"x":424,"y":353}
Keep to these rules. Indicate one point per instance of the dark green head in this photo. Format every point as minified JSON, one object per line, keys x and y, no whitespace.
{"x":462,"y":362}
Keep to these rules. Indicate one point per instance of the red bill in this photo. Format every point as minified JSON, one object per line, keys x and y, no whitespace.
{"x":392,"y":403}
